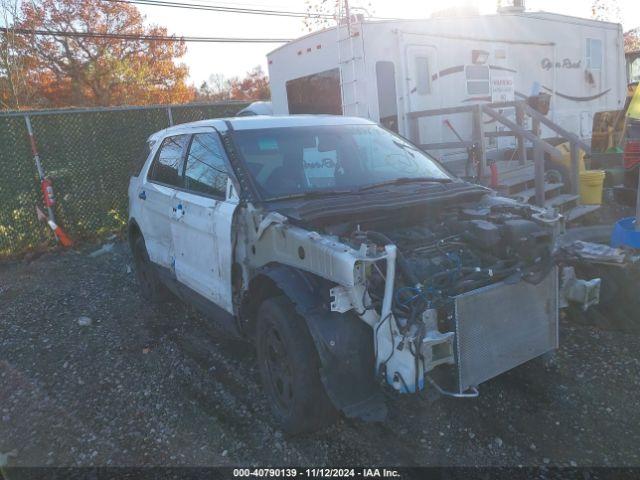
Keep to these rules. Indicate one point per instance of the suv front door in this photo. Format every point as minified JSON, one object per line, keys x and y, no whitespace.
{"x":201,"y":222}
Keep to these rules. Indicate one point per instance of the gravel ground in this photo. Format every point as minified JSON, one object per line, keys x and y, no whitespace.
{"x":140,"y":385}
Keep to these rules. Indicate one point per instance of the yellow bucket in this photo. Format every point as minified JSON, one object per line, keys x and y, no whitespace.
{"x":565,"y":150}
{"x":591,"y":182}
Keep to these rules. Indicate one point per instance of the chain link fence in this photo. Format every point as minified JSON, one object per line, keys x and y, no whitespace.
{"x":88,"y":154}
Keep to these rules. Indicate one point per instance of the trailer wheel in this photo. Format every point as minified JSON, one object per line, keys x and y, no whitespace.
{"x":151,"y":287}
{"x":290,"y":369}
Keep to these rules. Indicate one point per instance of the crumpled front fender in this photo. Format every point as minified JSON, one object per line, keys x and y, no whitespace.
{"x":344,"y":344}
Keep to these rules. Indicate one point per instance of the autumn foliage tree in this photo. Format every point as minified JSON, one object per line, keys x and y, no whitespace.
{"x":98,"y":71}
{"x":254,"y":86}
{"x":632,"y":40}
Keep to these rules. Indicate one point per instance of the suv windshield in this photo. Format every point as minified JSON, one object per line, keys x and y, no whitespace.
{"x":293,"y":161}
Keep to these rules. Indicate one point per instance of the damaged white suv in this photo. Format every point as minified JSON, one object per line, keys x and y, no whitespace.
{"x":348,"y":256}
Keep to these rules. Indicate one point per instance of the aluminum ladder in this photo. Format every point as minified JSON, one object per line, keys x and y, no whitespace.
{"x":351,"y":62}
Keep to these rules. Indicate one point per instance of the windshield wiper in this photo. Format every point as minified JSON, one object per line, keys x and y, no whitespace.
{"x":312,"y":194}
{"x":404,"y":181}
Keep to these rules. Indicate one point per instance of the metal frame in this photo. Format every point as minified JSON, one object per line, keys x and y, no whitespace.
{"x":57,"y":111}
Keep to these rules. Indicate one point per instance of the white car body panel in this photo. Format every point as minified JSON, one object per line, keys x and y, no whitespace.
{"x":202,"y":244}
{"x":155,"y":213}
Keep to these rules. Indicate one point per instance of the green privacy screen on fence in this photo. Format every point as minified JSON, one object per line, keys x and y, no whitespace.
{"x":87,"y":154}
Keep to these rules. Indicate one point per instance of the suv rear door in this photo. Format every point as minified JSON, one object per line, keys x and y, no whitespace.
{"x":155,"y":195}
{"x":201,"y":224}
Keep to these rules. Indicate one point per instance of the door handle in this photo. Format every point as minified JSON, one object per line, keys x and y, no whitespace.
{"x":142,"y":195}
{"x":178,"y":212}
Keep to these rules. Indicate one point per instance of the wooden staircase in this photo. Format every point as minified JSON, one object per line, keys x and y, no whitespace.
{"x":519,"y":184}
{"x":524,"y":179}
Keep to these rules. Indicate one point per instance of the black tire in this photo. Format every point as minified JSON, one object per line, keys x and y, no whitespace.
{"x":290,"y":369}
{"x":151,"y":287}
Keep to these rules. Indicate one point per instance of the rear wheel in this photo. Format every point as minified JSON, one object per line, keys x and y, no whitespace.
{"x":290,"y":368}
{"x":151,"y":287}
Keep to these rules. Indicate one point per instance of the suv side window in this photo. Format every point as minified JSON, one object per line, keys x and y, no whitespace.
{"x":166,"y":166}
{"x":205,"y":171}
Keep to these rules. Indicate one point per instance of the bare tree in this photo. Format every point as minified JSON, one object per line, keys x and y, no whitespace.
{"x":324,"y":13}
{"x":219,"y":86}
{"x":13,"y":79}
{"x":606,"y":10}
{"x":216,"y":88}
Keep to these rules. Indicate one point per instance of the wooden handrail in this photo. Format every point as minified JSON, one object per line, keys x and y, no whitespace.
{"x":439,"y":111}
{"x":460,"y":109}
{"x":573,"y":138}
{"x":497,"y":105}
{"x":445,"y":145}
{"x":510,"y":104}
{"x":550,"y":149}
{"x":505,"y":133}
{"x":517,"y":130}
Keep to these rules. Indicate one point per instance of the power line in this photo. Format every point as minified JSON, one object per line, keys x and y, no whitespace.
{"x":124,"y":36}
{"x":219,"y":8}
{"x":250,"y":11}
{"x":244,"y":4}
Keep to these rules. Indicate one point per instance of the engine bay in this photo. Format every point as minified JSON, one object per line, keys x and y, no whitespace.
{"x":462,"y":249}
{"x":439,"y":257}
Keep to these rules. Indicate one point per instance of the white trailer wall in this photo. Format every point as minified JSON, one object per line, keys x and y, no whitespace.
{"x":581,"y":60}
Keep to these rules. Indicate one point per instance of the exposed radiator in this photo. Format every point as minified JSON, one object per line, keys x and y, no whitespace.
{"x":501,"y":326}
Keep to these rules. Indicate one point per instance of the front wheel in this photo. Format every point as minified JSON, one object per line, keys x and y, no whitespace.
{"x":290,"y":368}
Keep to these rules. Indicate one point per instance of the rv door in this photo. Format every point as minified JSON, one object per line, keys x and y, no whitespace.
{"x":421,"y":63}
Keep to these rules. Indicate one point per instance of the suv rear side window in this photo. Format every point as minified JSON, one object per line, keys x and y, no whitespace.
{"x":166,"y":166}
{"x":205,"y":170}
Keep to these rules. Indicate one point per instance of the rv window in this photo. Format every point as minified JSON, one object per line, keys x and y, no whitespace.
{"x":317,"y":93}
{"x":423,"y":80}
{"x":478,"y":80}
{"x":634,"y":70}
{"x":387,"y":96}
{"x":594,"y":54}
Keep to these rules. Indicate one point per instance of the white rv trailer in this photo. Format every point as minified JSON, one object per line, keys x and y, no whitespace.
{"x":385,"y":69}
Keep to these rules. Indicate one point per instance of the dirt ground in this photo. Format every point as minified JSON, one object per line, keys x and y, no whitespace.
{"x":140,"y":385}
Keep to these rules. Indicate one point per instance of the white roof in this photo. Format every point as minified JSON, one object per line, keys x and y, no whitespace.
{"x":256,"y":122}
{"x":260,"y":121}
{"x":425,"y":22}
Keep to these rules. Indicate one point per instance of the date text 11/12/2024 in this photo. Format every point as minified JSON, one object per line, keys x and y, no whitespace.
{"x":316,"y":472}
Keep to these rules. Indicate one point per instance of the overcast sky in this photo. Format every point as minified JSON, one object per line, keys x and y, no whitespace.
{"x":205,"y":59}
